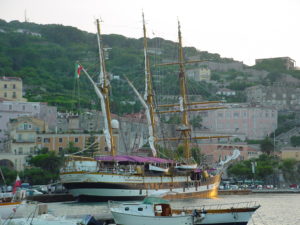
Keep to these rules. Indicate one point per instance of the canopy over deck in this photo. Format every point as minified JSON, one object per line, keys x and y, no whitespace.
{"x":129,"y":158}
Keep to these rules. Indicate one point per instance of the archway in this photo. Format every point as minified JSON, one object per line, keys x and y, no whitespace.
{"x":7,"y":163}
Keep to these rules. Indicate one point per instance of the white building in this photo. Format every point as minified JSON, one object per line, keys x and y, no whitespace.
{"x":199,"y":74}
{"x":254,"y":122}
{"x":12,"y":110}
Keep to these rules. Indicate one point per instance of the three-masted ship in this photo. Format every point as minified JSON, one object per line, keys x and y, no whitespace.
{"x":126,"y":177}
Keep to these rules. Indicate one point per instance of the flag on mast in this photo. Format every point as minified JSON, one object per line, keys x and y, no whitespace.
{"x":17,"y":184}
{"x":78,"y":69}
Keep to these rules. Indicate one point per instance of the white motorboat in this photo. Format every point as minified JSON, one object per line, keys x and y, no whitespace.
{"x":156,"y":210}
{"x":151,"y":211}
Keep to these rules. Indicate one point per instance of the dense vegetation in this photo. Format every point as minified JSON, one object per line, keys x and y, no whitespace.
{"x":267,"y":168}
{"x":44,"y":57}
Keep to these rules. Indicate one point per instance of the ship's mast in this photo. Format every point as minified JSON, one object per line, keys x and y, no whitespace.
{"x":104,"y":87}
{"x":148,"y":81}
{"x":185,"y":129}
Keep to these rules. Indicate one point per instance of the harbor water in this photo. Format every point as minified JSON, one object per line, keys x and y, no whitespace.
{"x":276,"y":209}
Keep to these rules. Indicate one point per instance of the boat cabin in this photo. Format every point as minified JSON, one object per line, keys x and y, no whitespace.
{"x":151,"y":206}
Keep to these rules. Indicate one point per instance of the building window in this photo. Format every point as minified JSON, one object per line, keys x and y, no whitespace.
{"x":10,"y":107}
{"x":20,"y":150}
{"x":236,"y":114}
{"x":25,"y":126}
{"x":5,"y":85}
{"x":23,"y":107}
{"x":31,"y":150}
{"x":14,"y":95}
{"x":76,"y":140}
{"x":60,"y":140}
{"x":46,"y":140}
{"x":14,"y":86}
{"x":228,"y":114}
{"x":60,"y":149}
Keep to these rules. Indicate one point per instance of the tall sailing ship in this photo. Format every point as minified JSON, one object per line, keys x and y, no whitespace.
{"x":126,"y":177}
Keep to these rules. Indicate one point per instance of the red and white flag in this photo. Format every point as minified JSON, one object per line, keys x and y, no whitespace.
{"x":17,"y":184}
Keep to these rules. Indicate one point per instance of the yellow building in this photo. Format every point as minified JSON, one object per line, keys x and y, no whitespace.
{"x":11,"y":89}
{"x":22,"y":133}
{"x":290,"y":153}
{"x":58,"y":142}
{"x":199,"y":74}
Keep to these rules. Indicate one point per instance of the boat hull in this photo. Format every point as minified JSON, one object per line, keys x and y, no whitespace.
{"x":127,"y":219}
{"x":9,"y":209}
{"x":228,"y":218}
{"x":103,"y":187}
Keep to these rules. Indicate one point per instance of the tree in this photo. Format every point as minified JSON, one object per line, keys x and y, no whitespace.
{"x":91,"y":145}
{"x":196,"y":121}
{"x":295,"y":141}
{"x":49,"y":162}
{"x":240,"y":170}
{"x":267,"y":146}
{"x":38,"y":176}
{"x":71,"y":149}
{"x":9,"y":176}
{"x":196,"y":154}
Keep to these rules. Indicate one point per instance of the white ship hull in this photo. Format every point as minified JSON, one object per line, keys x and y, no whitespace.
{"x":104,"y":186}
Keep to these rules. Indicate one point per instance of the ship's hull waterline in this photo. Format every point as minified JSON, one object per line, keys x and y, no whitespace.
{"x":102,"y":186}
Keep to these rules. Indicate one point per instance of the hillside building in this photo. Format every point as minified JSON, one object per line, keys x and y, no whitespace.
{"x":226,"y":92}
{"x":199,"y":74}
{"x":12,"y":110}
{"x":21,"y":141}
{"x":216,"y":152}
{"x":255,"y":122}
{"x":289,"y":63}
{"x":290,"y":153}
{"x":279,"y":96}
{"x":11,"y":89}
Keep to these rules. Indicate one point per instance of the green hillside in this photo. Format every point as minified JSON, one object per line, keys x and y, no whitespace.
{"x":44,"y":56}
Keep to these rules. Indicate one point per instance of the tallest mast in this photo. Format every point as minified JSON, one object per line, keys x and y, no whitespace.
{"x":185,"y":129}
{"x":148,"y":81}
{"x":104,"y":86}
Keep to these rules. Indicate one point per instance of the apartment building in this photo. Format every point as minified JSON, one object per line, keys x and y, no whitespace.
{"x":255,"y":122}
{"x":11,"y":89}
{"x":13,"y":109}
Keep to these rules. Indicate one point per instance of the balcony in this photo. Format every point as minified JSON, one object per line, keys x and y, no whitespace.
{"x":23,"y":141}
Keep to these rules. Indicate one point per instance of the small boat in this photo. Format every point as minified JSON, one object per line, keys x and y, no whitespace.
{"x":14,"y":208}
{"x":151,"y":211}
{"x":157,"y":210}
{"x":48,"y":219}
{"x":158,"y":169}
{"x":15,"y":205}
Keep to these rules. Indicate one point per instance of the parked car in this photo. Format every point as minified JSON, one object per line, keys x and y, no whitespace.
{"x":25,"y":186}
{"x":31,"y":192}
{"x":41,"y":188}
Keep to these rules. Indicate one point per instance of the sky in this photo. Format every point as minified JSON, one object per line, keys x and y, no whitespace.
{"x":244,"y":30}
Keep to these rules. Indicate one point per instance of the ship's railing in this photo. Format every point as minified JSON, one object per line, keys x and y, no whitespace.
{"x":93,"y":169}
{"x":250,"y":204}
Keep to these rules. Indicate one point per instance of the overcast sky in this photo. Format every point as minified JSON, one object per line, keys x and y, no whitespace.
{"x":239,"y":29}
